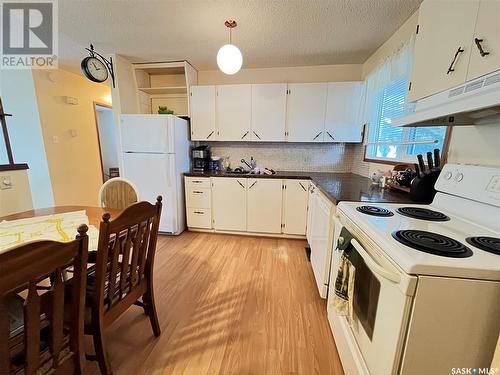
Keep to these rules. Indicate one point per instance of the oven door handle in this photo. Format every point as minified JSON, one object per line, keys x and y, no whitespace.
{"x":373,"y":265}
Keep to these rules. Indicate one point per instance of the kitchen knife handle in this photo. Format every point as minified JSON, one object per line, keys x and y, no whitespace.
{"x":437,"y":159}
{"x":429,"y":161}
{"x":421,"y":164}
{"x":417,"y":170}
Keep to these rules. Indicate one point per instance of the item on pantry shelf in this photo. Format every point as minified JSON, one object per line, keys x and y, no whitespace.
{"x":162,"y":110}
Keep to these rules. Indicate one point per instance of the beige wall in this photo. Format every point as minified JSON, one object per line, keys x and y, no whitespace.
{"x":74,"y":163}
{"x":18,"y":198}
{"x":318,"y":73}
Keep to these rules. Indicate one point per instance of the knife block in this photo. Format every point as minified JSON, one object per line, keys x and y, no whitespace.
{"x":422,"y":187}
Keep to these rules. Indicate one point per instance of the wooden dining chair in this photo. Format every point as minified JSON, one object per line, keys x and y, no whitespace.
{"x":35,"y":335}
{"x":118,"y":193}
{"x":123,"y":272}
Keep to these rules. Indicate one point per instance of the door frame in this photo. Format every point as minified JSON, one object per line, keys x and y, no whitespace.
{"x":95,"y":104}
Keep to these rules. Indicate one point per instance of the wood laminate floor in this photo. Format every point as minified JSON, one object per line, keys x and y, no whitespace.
{"x":228,"y":305}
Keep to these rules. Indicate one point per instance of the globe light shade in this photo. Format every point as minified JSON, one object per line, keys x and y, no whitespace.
{"x":229,"y":59}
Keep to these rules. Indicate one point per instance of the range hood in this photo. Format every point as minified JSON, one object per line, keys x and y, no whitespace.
{"x":476,"y":102}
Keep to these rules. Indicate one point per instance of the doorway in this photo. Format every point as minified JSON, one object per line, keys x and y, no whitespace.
{"x":106,"y":136}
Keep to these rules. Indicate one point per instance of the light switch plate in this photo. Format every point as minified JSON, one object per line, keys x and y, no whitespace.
{"x":5,"y":183}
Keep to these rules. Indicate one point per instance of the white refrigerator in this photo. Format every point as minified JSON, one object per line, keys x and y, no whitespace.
{"x":155,"y":155}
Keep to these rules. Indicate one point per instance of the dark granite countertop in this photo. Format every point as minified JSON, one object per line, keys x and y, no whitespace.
{"x":336,"y":186}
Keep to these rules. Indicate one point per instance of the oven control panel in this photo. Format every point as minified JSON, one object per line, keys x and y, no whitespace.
{"x":475,"y":182}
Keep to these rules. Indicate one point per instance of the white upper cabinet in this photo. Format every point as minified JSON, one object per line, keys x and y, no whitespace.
{"x":268,"y":112}
{"x":443,"y":46}
{"x":485,"y":54}
{"x":264,"y":199}
{"x":233,"y":112}
{"x":344,"y":101}
{"x":202,"y":102}
{"x":306,"y":106}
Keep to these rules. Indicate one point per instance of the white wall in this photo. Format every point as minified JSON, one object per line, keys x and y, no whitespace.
{"x":18,"y":94}
{"x":107,"y":138}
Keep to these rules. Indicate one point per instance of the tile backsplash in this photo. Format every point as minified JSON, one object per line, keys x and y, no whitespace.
{"x":318,"y":157}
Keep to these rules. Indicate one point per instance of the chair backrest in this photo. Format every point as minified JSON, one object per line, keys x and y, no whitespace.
{"x":44,"y":343}
{"x":118,"y":193}
{"x":125,"y":255}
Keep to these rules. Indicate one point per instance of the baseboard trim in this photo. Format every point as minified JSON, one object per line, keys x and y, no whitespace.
{"x":250,"y":234}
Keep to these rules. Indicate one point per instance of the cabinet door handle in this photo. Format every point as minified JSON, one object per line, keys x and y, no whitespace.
{"x":197,"y":192}
{"x":199,"y":212}
{"x":302,"y":186}
{"x":451,"y":68}
{"x":244,"y":135}
{"x":331,"y":136}
{"x":196,"y":182}
{"x":256,"y":134}
{"x":317,"y":135}
{"x":210,"y":135}
{"x":482,"y":52}
{"x":243,"y":186}
{"x":251,"y":186}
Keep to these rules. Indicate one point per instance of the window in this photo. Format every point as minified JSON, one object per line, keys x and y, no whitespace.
{"x":386,"y":99}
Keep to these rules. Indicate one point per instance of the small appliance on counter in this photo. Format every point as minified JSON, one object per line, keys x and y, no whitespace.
{"x":422,"y":186}
{"x":201,"y":158}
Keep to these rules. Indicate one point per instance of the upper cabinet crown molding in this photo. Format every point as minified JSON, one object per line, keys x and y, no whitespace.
{"x":449,"y":42}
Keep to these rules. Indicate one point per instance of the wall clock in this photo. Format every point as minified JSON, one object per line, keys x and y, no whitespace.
{"x":94,"y":69}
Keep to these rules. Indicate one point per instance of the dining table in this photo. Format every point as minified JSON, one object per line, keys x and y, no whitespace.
{"x":94,"y":213}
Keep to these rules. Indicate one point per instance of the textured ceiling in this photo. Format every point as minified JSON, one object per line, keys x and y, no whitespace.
{"x":269,"y":33}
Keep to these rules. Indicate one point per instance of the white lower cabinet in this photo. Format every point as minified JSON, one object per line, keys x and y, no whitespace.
{"x":320,"y":236}
{"x":295,"y":197}
{"x":198,"y":202}
{"x":229,"y":203}
{"x":254,"y":205}
{"x":264,"y":200}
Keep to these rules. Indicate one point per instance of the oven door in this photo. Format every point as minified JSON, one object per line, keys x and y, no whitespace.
{"x":372,"y":341}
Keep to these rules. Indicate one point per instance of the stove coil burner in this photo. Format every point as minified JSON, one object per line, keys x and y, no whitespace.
{"x":374,"y":211}
{"x":432,"y":243}
{"x":422,"y":214}
{"x":489,"y":244}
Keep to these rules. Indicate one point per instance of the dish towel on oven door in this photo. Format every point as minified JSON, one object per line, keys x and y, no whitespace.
{"x":344,"y":281}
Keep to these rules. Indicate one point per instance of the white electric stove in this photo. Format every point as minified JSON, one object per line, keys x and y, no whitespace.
{"x":427,"y":286}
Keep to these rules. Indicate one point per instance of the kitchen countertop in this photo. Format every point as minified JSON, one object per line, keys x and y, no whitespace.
{"x":336,"y":186}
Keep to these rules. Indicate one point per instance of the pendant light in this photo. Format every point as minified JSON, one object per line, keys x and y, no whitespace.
{"x":229,"y":58}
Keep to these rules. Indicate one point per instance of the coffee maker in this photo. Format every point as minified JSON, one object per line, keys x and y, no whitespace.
{"x":201,"y":158}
